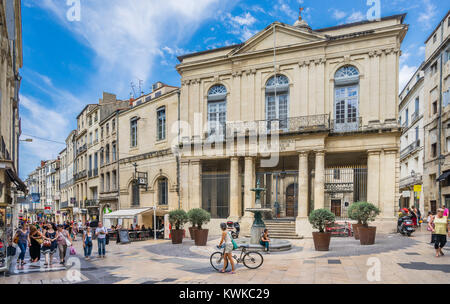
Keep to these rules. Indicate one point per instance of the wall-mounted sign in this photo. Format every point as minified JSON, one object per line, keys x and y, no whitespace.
{"x":417,"y":188}
{"x":406,"y":194}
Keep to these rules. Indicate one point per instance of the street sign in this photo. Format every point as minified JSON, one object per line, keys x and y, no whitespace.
{"x":417,"y":188}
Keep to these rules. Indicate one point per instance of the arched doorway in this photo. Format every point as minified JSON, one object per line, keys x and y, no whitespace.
{"x":290,"y":199}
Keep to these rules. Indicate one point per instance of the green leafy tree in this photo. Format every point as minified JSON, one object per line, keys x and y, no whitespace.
{"x":320,"y":218}
{"x":178,"y":218}
{"x":199,"y":217}
{"x":363,"y":212}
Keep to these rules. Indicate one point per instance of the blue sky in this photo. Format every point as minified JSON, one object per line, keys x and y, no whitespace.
{"x":69,"y":64}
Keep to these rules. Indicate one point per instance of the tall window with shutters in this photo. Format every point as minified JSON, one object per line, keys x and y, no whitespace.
{"x":217,"y":112}
{"x":277,"y":101}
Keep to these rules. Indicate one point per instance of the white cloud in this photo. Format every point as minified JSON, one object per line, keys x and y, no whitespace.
{"x":338,"y":14}
{"x":240,"y":26}
{"x":127,"y":37}
{"x":355,"y":17}
{"x":406,"y":72}
{"x":427,"y":15}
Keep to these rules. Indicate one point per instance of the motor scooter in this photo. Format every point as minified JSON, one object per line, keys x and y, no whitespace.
{"x":237,"y":229}
{"x":405,"y":226}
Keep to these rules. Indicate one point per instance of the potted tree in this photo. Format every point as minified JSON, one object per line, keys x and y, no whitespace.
{"x":200,"y":217}
{"x":177,"y":219}
{"x":319,"y":219}
{"x":366,"y":212}
{"x":192,"y":228}
{"x":353,"y":215}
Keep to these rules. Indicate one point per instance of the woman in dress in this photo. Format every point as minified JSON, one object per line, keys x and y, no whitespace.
{"x":36,"y":240}
{"x":439,"y":229}
{"x":62,"y":236}
{"x":50,"y":244}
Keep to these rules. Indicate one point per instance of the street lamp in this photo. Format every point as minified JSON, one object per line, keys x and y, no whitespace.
{"x":26,"y":140}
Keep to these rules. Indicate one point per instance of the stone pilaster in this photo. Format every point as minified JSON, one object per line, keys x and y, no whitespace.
{"x":319,"y":180}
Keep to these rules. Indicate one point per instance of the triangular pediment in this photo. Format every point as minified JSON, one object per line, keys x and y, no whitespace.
{"x":283,"y":36}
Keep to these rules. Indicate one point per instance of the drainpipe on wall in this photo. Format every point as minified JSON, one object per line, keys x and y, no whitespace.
{"x":118,"y":160}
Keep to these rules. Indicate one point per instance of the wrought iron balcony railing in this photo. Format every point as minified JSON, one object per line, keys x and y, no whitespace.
{"x":91,"y":203}
{"x":63,"y":205}
{"x":346,"y":125}
{"x":409,"y":149}
{"x":414,"y":116}
{"x":80,"y":175}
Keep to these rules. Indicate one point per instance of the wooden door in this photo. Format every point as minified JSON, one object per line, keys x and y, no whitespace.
{"x":336,"y":207}
{"x":290,"y":200}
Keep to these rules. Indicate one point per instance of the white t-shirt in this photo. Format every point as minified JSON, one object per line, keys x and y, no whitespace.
{"x":98,"y":230}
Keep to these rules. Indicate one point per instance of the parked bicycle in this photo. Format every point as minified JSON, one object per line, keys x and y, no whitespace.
{"x":250,"y":259}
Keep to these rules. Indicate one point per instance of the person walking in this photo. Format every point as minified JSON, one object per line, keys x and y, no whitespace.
{"x":265,"y":241}
{"x":101,"y":233}
{"x":35,"y":241}
{"x":440,"y":230}
{"x":87,"y":243}
{"x":227,"y":256}
{"x":64,"y":240}
{"x":50,"y":244}
{"x":22,"y":241}
{"x":430,"y":228}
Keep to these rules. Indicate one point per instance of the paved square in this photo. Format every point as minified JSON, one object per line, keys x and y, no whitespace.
{"x":393,"y":259}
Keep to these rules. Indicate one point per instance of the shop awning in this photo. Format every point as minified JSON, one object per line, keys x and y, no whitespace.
{"x":443,"y":176}
{"x":126,"y":213}
{"x":16,"y":180}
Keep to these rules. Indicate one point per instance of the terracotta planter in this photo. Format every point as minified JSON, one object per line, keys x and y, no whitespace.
{"x":322,"y":240}
{"x":355,"y":230}
{"x":367,"y":235}
{"x":177,"y":236}
{"x":192,"y":232}
{"x":201,"y":237}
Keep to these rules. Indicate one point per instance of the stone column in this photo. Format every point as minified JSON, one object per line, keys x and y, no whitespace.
{"x":373,"y":177}
{"x":303,"y":200}
{"x":319,"y":181}
{"x":184,"y":185}
{"x":234,"y":189}
{"x":195,"y":193}
{"x":249,"y":196}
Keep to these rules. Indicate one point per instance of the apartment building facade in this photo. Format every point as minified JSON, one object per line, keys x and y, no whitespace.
{"x":11,"y":61}
{"x":148,"y":166}
{"x":437,"y":117}
{"x":411,"y":110}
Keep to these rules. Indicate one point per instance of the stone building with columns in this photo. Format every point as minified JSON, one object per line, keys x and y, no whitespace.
{"x":309,"y":113}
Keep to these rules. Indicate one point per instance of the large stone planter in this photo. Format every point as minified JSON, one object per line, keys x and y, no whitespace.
{"x":201,"y":237}
{"x":177,"y":236}
{"x":355,"y":230}
{"x":192,"y":232}
{"x":321,"y":240}
{"x":367,"y":235}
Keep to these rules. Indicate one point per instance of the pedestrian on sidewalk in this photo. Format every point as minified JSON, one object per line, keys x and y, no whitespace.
{"x":64,"y":240}
{"x":101,"y":233}
{"x":227,"y":255}
{"x":87,"y":243}
{"x":22,"y":242}
{"x":430,"y":228}
{"x":35,"y":241}
{"x":440,"y":229}
{"x":50,"y":244}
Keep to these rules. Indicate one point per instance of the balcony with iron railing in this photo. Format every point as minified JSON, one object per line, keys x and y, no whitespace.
{"x":410,"y":149}
{"x":82,"y":149}
{"x":414,"y":179}
{"x":414,"y":117}
{"x":63,"y":205}
{"x":80,"y":175}
{"x":93,"y":203}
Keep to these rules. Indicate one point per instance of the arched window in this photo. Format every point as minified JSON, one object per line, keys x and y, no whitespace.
{"x":346,"y":82}
{"x":277,"y":100}
{"x":217,"y":111}
{"x":162,"y":191}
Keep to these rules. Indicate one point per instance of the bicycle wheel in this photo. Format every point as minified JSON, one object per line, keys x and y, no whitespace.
{"x":216,"y":260}
{"x":253,"y":259}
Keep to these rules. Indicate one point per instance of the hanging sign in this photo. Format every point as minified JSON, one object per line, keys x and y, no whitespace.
{"x":417,"y":188}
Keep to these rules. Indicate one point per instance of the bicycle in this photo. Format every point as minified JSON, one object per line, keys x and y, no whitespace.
{"x":250,"y":259}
